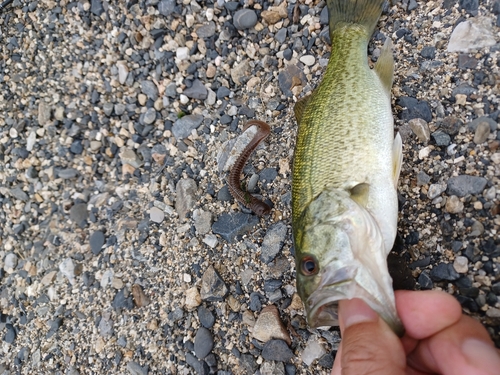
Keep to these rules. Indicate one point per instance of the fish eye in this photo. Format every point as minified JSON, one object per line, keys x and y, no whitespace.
{"x":309,"y":265}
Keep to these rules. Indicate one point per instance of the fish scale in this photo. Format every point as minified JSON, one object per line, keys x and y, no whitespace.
{"x":345,"y":171}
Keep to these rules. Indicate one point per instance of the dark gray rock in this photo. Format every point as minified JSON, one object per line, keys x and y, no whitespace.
{"x":10,"y":334}
{"x":54,"y":325}
{"x":451,"y":125}
{"x":323,"y":17}
{"x":78,"y":213}
{"x":466,"y":62}
{"x":470,"y":6}
{"x":199,"y":367}
{"x":472,"y":126}
{"x":463,"y":89}
{"x":290,"y":367}
{"x":67,"y":173}
{"x":96,"y":7}
{"x":256,"y":301}
{"x":280,"y":36}
{"x":444,"y":271}
{"x":136,"y":369}
{"x":171,"y":90}
{"x":76,"y":147}
{"x":326,"y":361}
{"x":166,"y":7}
{"x":230,"y":226}
{"x":288,"y":76}
{"x":414,"y":109}
{"x":441,"y":138}
{"x":149,"y":116}
{"x":428,"y":52}
{"x":183,"y":126}
{"x":464,"y":185}
{"x":268,"y":174}
{"x":273,"y":241}
{"x":196,"y":91}
{"x":245,"y":19}
{"x":106,"y":325}
{"x":222,"y":92}
{"x":203,"y":342}
{"x":277,"y":350}
{"x":206,"y":31}
{"x":206,"y":317}
{"x":412,"y":5}
{"x":425,"y":281}
{"x":249,"y":363}
{"x":213,"y":287}
{"x":18,"y":193}
{"x":96,"y":241}
{"x":123,"y":300}
{"x":149,"y":89}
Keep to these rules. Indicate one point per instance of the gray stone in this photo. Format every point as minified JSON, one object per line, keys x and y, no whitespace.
{"x":441,"y":138}
{"x":248,"y":363}
{"x":272,"y":368}
{"x":423,"y":178}
{"x":444,"y":271}
{"x":156,"y":215}
{"x":414,"y":109}
{"x":128,"y":156}
{"x":122,"y":300}
{"x":473,"y":34}
{"x":230,"y":226}
{"x":196,"y":91}
{"x":206,"y":31}
{"x":135,"y":369}
{"x":149,"y":116}
{"x":206,"y":317}
{"x":106,"y":325}
{"x":273,"y":241}
{"x":185,"y":190}
{"x":472,"y":126}
{"x":96,"y":242}
{"x":202,"y":221}
{"x":67,"y":173}
{"x":10,"y":262}
{"x":203,"y":342}
{"x":120,"y":109}
{"x":451,"y":125}
{"x":149,"y":89}
{"x":199,"y":367}
{"x":435,"y":190}
{"x":10,"y":334}
{"x":245,"y":19}
{"x":171,"y":90}
{"x":213,"y":287}
{"x":166,"y":7}
{"x":412,"y":5}
{"x":96,"y":7}
{"x":108,"y":108}
{"x":464,"y":184}
{"x":183,"y":126}
{"x":44,"y":113}
{"x":280,"y":36}
{"x":288,"y":77}
{"x":78,"y":213}
{"x":277,"y":350}
{"x":425,"y":281}
{"x":18,"y":193}
{"x":421,"y":129}
{"x":482,"y":132}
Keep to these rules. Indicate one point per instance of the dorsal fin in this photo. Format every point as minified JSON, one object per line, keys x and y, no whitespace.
{"x":385,"y":66}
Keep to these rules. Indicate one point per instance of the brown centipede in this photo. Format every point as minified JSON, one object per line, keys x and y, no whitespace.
{"x":244,"y":197}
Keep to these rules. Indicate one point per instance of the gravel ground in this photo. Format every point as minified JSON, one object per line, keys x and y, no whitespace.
{"x":121,"y":250}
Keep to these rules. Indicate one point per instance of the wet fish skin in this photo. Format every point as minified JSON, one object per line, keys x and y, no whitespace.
{"x":345,"y":172}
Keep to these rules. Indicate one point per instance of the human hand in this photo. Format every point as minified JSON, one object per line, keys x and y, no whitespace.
{"x":439,"y":339}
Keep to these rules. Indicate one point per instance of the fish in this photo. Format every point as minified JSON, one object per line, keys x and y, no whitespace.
{"x":346,"y":168}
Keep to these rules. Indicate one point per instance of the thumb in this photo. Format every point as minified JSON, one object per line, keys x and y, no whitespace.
{"x":368,"y":344}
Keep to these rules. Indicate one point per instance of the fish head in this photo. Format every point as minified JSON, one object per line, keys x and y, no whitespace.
{"x":340,"y":254}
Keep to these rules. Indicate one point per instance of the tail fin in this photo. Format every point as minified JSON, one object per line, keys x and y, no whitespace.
{"x":362,"y":12}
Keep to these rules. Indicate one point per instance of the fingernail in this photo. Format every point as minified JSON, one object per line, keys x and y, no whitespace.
{"x":481,"y":355}
{"x":355,"y":311}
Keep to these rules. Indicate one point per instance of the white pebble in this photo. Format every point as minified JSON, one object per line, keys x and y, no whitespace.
{"x":184,"y":99}
{"x":67,"y":268}
{"x":423,"y":153}
{"x":13,"y":133}
{"x":308,"y":60}
{"x":107,"y":278}
{"x":182,"y":53}
{"x":10,"y":262}
{"x":312,"y":351}
{"x":461,"y":264}
{"x":210,"y":240}
{"x":210,"y":14}
{"x":156,"y":215}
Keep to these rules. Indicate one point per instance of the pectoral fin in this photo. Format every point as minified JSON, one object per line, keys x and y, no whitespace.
{"x":385,"y":66}
{"x":397,"y":158}
{"x":359,"y":194}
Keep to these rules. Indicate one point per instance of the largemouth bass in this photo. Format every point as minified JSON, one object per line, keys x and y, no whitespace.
{"x":345,"y":172}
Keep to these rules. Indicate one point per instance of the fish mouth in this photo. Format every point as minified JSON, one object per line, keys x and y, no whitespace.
{"x":347,"y":283}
